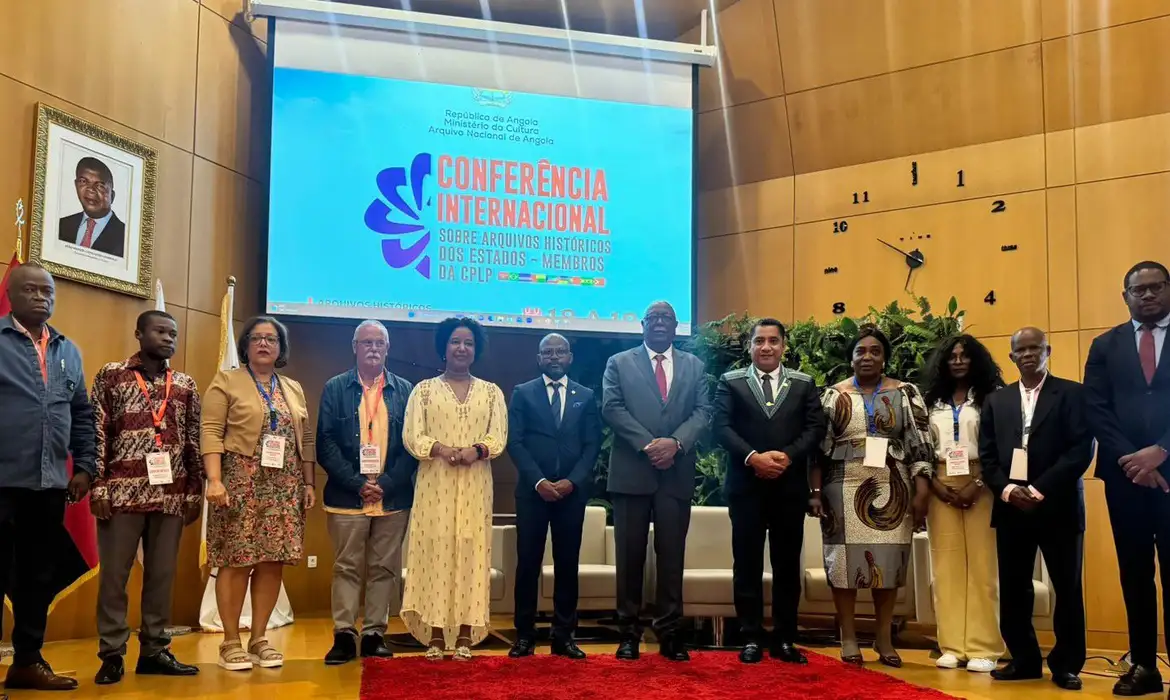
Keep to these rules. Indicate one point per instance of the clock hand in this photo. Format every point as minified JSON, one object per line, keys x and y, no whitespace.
{"x":894,"y":248}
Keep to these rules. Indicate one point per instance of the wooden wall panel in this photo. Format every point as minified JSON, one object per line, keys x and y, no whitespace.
{"x":1062,"y":259}
{"x":46,"y":47}
{"x":750,"y":207}
{"x":1090,"y":15}
{"x":962,"y":246}
{"x":1123,"y":148}
{"x":1119,"y":222}
{"x":749,"y":57}
{"x":831,"y":41}
{"x":761,"y":285}
{"x":235,"y":94}
{"x":990,"y":97}
{"x":1060,"y":157}
{"x":1015,"y":165}
{"x":226,"y":234}
{"x":744,"y":144}
{"x":1059,"y":104}
{"x":1116,"y":70}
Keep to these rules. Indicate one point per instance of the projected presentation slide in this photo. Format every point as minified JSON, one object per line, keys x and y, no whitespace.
{"x":412,"y":201}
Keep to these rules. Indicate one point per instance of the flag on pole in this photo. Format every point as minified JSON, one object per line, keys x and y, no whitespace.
{"x":76,"y":553}
{"x":209,"y":618}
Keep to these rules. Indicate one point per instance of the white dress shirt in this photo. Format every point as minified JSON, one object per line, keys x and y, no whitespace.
{"x":942,"y":428}
{"x":1159,"y":336}
{"x":758,"y":376}
{"x":1028,"y":400}
{"x":667,"y":363}
{"x":98,"y":226}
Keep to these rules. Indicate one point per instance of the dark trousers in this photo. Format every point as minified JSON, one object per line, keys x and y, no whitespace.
{"x":1140,"y":518}
{"x":1063,"y":552}
{"x":632,"y":516}
{"x":534,"y":518}
{"x":118,"y":540}
{"x":32,"y":527}
{"x":753,"y":516}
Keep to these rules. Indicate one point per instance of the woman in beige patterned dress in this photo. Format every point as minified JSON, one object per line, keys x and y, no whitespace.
{"x":455,"y":424}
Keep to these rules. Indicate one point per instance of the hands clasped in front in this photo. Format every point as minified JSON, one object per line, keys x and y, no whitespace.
{"x":661,"y":452}
{"x":455,"y":456}
{"x":1142,"y":467}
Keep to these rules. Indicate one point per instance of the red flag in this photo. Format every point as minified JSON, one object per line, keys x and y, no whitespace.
{"x":77,"y":553}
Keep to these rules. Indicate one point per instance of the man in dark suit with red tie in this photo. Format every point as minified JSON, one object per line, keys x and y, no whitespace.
{"x":1127,"y":387}
{"x":554,"y":436}
{"x":96,"y":226}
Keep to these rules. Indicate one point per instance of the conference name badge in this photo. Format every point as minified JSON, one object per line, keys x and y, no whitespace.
{"x":1019,"y":470}
{"x":272,"y":452}
{"x":958,"y":461}
{"x":158,"y":469}
{"x":370,"y":460}
{"x":876,"y":449}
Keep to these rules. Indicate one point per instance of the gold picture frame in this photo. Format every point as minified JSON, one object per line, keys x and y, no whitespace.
{"x":113,"y":180}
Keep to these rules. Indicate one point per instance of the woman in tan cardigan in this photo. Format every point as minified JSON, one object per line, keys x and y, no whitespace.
{"x":258,"y":454}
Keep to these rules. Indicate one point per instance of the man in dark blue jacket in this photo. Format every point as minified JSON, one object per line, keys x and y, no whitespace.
{"x":1127,"y":395}
{"x":45,"y":415}
{"x":554,"y":436}
{"x":368,"y":493}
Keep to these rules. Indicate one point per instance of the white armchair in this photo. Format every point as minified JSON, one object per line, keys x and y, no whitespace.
{"x":596,"y":570}
{"x":1042,"y":608}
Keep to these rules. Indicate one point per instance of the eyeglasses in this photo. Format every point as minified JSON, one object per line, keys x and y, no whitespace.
{"x":96,"y":185}
{"x":655,"y":318}
{"x":1140,"y":290}
{"x":264,"y":339}
{"x":554,"y":352}
{"x":377,"y":344}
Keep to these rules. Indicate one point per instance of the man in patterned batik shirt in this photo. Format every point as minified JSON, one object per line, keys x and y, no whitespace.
{"x":148,"y":487}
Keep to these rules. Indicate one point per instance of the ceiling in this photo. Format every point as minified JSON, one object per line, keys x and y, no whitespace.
{"x":664,"y":19}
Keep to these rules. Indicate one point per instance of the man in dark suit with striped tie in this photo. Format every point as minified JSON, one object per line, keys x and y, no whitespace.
{"x":554,"y":436}
{"x":1127,"y":396}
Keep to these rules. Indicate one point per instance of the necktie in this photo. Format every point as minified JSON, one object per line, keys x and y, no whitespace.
{"x":767,"y":381}
{"x":1146,"y":352}
{"x":87,"y":240}
{"x":556,"y":403}
{"x":660,"y":375}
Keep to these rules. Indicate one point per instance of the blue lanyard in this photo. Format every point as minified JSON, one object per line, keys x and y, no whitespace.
{"x":955,"y":412}
{"x":870,"y":406}
{"x":268,"y":397}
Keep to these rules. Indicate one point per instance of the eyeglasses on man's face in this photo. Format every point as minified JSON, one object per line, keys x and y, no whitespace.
{"x":1138,"y":291}
{"x":554,"y":352}
{"x":374,"y":344}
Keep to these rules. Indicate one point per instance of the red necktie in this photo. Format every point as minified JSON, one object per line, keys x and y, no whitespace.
{"x":1146,"y":352}
{"x":660,"y":375}
{"x":87,"y":240}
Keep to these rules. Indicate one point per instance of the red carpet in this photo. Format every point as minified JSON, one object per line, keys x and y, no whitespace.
{"x":715,"y":675}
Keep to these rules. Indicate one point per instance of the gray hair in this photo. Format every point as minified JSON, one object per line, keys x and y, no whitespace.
{"x":370,"y":323}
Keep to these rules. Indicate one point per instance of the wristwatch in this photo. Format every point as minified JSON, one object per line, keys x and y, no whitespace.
{"x":979,"y":483}
{"x":680,"y":446}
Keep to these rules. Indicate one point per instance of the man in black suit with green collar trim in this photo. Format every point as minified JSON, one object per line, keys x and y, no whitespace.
{"x":770,"y":421}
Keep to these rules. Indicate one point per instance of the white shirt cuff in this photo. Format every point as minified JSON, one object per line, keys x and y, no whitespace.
{"x":1035,"y":494}
{"x":537,"y":487}
{"x":1007,"y":492}
{"x":749,"y":457}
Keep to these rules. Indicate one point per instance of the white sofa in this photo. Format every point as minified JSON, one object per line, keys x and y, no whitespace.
{"x":596,"y":570}
{"x":1042,"y":608}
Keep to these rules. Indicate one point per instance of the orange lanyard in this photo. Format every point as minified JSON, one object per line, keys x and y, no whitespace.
{"x":369,"y":396}
{"x":156,"y":416}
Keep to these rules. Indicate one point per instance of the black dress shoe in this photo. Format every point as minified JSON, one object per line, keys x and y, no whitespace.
{"x":374,"y":646}
{"x":111,"y":671}
{"x":1066,"y":681}
{"x":788,"y":653}
{"x":751,"y":653}
{"x":568,"y":649}
{"x":38,"y":676}
{"x":164,"y":663}
{"x":344,"y":649}
{"x":523,"y":647}
{"x":673,"y":650}
{"x":1138,"y":680}
{"x":1011,"y":672}
{"x":628,"y":650}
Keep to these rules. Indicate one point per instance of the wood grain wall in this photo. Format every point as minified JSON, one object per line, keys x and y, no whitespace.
{"x":1056,"y":111}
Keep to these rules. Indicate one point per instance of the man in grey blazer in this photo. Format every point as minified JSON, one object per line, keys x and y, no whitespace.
{"x":654,"y":397}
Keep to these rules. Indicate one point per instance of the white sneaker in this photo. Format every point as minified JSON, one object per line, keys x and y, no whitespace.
{"x":947,"y":661}
{"x":980,"y":665}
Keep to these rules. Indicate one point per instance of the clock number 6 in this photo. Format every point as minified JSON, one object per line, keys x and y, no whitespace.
{"x":839,"y":308}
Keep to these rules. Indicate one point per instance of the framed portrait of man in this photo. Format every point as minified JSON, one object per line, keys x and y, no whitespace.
{"x":93,"y":204}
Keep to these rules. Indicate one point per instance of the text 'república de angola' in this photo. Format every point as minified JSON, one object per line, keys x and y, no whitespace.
{"x":508,"y":194}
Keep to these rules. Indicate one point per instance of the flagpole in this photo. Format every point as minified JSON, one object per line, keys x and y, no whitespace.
{"x":19,"y":231}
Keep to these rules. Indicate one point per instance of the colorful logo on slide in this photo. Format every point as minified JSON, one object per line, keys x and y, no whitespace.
{"x":397,"y":214}
{"x":491,"y":98}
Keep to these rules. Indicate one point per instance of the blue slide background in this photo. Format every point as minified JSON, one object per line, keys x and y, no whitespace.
{"x":333,"y":133}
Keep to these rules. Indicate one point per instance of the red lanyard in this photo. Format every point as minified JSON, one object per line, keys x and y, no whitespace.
{"x":369,"y":396}
{"x":156,"y":416}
